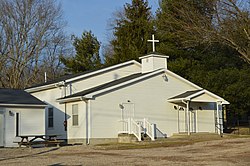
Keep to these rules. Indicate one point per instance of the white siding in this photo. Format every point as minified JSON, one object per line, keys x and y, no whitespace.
{"x":153,"y":63}
{"x":49,"y":96}
{"x":77,"y":132}
{"x":150,"y":98}
{"x":31,"y":121}
{"x":112,"y":75}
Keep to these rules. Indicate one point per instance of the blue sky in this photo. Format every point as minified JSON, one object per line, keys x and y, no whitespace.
{"x":93,"y":15}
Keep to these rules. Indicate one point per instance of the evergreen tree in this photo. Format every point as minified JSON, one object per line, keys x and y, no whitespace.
{"x":133,"y":27}
{"x":87,"y":54}
{"x":213,"y":66}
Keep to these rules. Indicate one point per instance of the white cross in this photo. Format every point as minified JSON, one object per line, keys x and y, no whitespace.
{"x":153,"y":42}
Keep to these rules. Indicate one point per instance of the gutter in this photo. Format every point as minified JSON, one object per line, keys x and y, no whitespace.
{"x":45,"y":87}
{"x":22,"y":105}
{"x":88,"y":120}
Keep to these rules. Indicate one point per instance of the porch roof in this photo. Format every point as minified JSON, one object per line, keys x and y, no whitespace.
{"x":200,"y":95}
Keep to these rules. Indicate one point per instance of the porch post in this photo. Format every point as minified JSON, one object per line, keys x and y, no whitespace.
{"x":188,"y":118}
{"x":218,"y":118}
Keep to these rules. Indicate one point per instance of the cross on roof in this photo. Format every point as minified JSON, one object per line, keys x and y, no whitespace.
{"x":153,"y":42}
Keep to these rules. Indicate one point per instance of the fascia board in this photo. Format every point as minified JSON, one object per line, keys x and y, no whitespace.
{"x":78,"y":98}
{"x":45,"y":87}
{"x":40,"y":88}
{"x":122,"y":84}
{"x":216,"y":96}
{"x":176,"y":100}
{"x":196,"y":94}
{"x":155,"y":55}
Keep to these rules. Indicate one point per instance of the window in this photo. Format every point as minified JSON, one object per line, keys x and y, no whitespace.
{"x":50,"y":118}
{"x":75,"y":114}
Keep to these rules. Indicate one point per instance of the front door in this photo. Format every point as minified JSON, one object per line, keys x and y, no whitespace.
{"x":128,"y":111}
{"x":1,"y":129}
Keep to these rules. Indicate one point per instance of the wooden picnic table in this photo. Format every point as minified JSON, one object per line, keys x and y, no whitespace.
{"x":29,"y":140}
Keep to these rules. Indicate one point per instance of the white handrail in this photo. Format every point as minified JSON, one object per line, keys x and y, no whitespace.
{"x":136,"y":129}
{"x":125,"y":126}
{"x":149,"y":129}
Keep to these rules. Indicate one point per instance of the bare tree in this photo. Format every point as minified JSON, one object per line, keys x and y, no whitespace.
{"x":28,"y":28}
{"x":223,"y":21}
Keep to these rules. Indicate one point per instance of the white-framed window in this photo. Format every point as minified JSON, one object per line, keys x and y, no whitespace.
{"x":50,"y":117}
{"x":75,"y":115}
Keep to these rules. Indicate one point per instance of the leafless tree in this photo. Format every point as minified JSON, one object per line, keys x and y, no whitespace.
{"x":28,"y":30}
{"x":226,"y":21}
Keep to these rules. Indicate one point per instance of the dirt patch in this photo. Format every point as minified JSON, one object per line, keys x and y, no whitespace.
{"x":233,"y":151}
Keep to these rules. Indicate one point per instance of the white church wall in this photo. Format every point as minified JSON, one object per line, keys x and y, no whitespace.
{"x":206,"y":118}
{"x":102,"y":78}
{"x":150,"y":101}
{"x":77,"y":131}
{"x":31,"y":122}
{"x":49,"y":97}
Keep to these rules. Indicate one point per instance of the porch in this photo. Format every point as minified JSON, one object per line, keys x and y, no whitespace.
{"x":184,"y":103}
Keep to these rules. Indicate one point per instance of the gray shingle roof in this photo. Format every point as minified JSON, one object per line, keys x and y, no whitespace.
{"x":185,"y":94}
{"x":15,"y":96}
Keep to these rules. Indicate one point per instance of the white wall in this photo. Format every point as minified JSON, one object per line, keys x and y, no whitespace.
{"x":77,"y":132}
{"x":150,"y":98}
{"x":49,"y":96}
{"x":31,"y":121}
{"x":102,"y":78}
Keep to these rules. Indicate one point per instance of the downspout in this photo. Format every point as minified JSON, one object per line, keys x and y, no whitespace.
{"x":88,"y":120}
{"x":65,"y":109}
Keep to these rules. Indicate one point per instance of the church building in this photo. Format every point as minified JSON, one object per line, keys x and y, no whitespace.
{"x":128,"y":98}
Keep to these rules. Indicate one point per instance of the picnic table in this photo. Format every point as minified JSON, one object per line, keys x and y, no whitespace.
{"x":29,"y":140}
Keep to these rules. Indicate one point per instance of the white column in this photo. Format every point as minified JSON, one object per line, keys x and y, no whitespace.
{"x":188,"y":118}
{"x":217,"y":118}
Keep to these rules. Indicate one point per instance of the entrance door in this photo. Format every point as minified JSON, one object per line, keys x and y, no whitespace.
{"x":128,"y":111}
{"x":1,"y":129}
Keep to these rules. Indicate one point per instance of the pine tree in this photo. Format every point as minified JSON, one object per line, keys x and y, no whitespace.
{"x":132,"y":29}
{"x":87,"y":54}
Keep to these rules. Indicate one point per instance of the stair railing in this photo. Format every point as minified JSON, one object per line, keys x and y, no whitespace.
{"x":149,"y":129}
{"x":135,"y":128}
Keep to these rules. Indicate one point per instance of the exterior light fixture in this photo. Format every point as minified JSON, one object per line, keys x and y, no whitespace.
{"x":181,"y":109}
{"x":121,"y":106}
{"x":164,"y":76}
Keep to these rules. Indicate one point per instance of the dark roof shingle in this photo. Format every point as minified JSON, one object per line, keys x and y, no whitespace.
{"x":186,"y":94}
{"x":15,"y":96}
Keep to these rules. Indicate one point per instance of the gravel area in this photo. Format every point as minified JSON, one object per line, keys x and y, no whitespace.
{"x":217,"y":152}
